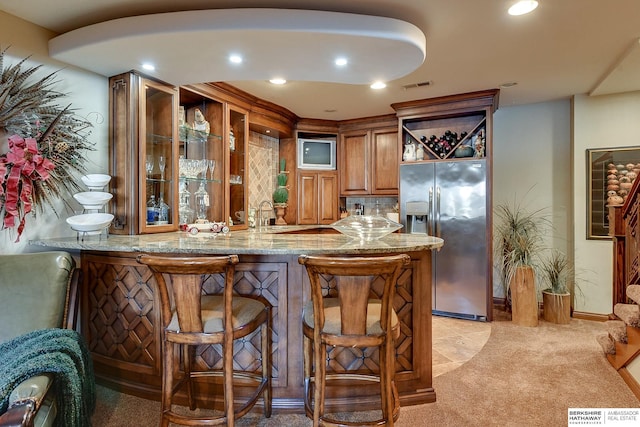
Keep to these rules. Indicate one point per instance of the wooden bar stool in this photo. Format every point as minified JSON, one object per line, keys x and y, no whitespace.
{"x":190,"y":318}
{"x":348,"y":313}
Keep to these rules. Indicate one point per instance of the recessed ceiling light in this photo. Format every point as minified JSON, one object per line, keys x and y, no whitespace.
{"x":341,"y":62}
{"x":235,"y":59}
{"x":147,"y":66}
{"x":277,"y":81}
{"x":523,"y":7}
{"x":378,"y":85}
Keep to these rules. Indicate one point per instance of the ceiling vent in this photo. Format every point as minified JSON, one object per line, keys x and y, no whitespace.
{"x":416,"y":85}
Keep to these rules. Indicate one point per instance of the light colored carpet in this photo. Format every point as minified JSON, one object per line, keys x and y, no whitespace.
{"x":521,"y":377}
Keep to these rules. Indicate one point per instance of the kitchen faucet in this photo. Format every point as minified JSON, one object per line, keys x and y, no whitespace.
{"x":266,"y":222}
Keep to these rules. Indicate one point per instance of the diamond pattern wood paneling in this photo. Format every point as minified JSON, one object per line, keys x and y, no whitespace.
{"x":120,"y":301}
{"x":263,"y":280}
{"x":122,"y":314}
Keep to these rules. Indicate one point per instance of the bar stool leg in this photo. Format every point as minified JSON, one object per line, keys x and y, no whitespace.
{"x":228,"y":379}
{"x":188,"y":354}
{"x":320,"y":379}
{"x":167,"y":382}
{"x":266,"y":362}
{"x":308,"y":362}
{"x":386,"y":382}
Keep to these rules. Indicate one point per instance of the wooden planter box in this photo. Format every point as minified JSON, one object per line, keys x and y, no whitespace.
{"x":524,"y":301}
{"x":556,"y":307}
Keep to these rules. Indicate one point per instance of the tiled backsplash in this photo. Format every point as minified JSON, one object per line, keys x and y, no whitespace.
{"x":373,"y":205}
{"x":263,"y":167}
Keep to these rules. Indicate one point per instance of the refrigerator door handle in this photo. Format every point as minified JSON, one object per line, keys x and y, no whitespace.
{"x":437,"y":213}
{"x":430,"y":218}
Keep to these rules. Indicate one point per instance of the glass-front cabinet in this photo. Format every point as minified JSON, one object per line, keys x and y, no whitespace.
{"x":143,"y":155}
{"x":177,"y":156}
{"x":158,"y":151}
{"x":212,"y":160}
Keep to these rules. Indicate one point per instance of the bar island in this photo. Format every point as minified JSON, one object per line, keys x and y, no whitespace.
{"x":120,"y":318}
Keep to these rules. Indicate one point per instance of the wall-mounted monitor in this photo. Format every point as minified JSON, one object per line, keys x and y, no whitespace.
{"x":317,"y":154}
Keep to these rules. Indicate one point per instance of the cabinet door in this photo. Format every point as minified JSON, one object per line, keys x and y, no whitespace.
{"x":354,"y":163}
{"x":307,"y":198}
{"x":385,"y":160}
{"x":327,"y":197}
{"x":143,"y":158}
{"x":237,"y":143}
{"x":202,"y":158}
{"x":157,"y":170}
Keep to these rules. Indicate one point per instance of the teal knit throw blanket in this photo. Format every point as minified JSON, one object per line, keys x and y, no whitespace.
{"x":61,"y":352}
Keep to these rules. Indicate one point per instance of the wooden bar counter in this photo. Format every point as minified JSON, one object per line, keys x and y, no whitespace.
{"x":120,"y":309}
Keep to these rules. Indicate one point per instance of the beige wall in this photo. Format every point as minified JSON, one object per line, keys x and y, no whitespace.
{"x":598,"y":122}
{"x":88,"y":95}
{"x":532,"y":166}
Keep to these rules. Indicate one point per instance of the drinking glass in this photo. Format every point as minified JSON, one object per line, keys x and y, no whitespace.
{"x":202,"y":168}
{"x":148,"y":165}
{"x":162,"y":162}
{"x":211,"y":165}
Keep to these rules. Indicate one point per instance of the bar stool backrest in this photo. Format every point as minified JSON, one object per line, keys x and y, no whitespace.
{"x":353,"y":278}
{"x":185,"y":292}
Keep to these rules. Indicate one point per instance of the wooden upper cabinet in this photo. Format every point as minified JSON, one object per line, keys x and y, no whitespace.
{"x":385,"y":152}
{"x":354,"y":163}
{"x":369,"y":161}
{"x":143,"y":161}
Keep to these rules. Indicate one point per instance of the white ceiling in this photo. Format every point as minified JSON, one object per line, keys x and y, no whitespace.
{"x":563,"y":48}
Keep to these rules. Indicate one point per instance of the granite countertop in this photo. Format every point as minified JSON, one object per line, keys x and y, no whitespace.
{"x":274,"y":240}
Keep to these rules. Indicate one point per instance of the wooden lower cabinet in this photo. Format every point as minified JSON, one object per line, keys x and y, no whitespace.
{"x":120,"y":321}
{"x":317,"y":197}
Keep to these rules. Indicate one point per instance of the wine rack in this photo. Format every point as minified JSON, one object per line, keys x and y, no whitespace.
{"x":458,"y":138}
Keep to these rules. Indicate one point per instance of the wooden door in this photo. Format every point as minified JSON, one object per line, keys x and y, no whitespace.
{"x":354,"y":163}
{"x":307,"y":197}
{"x":385,"y":153}
{"x":327,"y":197}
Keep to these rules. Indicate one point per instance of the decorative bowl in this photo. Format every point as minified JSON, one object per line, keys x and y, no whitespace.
{"x":96,"y":181}
{"x":93,"y":199}
{"x":90,"y":222}
{"x":464,"y":151}
{"x":366,"y":227}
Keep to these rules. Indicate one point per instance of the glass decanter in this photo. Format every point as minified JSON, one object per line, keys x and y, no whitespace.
{"x":184,"y":210}
{"x":163,"y":211}
{"x":202,"y":202}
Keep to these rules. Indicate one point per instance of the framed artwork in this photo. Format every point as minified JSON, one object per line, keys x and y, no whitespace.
{"x":610,"y":174}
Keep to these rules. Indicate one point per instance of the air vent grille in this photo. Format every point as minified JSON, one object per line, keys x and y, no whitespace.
{"x":416,"y":85}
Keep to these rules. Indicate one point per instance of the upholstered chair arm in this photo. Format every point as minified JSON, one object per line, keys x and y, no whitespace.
{"x":25,"y":400}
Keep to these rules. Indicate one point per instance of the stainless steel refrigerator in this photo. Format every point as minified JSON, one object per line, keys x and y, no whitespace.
{"x":449,"y":200}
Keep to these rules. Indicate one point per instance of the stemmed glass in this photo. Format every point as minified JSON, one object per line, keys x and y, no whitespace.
{"x":211,"y":165}
{"x":202,"y":168}
{"x":149,"y":164}
{"x":162,"y":163}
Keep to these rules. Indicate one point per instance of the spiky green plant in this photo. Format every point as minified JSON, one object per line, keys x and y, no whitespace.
{"x":557,"y":272}
{"x":29,"y":108}
{"x":518,"y":239}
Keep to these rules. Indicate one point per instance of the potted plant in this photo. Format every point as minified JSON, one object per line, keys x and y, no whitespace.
{"x":281,"y":194}
{"x":518,"y":243}
{"x":557,"y":275}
